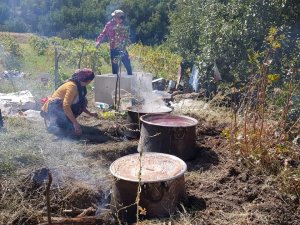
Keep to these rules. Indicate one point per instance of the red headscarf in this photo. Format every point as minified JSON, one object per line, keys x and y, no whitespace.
{"x":83,"y":75}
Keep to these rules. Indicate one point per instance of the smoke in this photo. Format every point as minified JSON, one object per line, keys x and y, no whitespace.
{"x":69,"y":164}
{"x":143,"y":95}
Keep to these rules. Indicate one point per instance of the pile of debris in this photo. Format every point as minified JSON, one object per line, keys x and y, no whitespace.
{"x":11,"y":74}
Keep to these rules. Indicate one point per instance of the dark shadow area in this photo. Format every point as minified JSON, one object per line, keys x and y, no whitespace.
{"x":192,"y":203}
{"x":114,"y":155}
{"x":204,"y":159}
{"x":91,"y":135}
{"x":195,"y":203}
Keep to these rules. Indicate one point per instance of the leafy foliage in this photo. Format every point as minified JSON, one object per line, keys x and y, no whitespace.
{"x":39,"y":44}
{"x":263,"y":137}
{"x":10,"y":45}
{"x":224,"y":31}
{"x":12,"y":55}
{"x":148,"y":20}
{"x":157,"y":60}
{"x":76,"y":53}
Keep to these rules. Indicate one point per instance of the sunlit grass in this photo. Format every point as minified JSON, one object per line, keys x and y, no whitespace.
{"x":35,"y":64}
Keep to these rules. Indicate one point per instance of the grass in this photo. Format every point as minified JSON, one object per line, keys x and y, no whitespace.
{"x":25,"y":147}
{"x":17,"y":144}
{"x":33,"y":63}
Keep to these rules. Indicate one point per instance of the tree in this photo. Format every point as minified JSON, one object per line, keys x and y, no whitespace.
{"x":4,"y":12}
{"x":224,"y":31}
{"x":148,"y":20}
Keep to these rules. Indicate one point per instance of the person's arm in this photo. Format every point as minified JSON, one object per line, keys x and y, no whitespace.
{"x":103,"y":33}
{"x":93,"y":114}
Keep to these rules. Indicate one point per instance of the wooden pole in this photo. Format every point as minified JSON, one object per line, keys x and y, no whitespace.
{"x":48,"y":197}
{"x":80,"y":56}
{"x":56,"y":75}
{"x":1,"y":119}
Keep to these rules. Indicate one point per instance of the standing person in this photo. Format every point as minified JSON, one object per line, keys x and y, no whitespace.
{"x":118,"y":39}
{"x":68,"y":102}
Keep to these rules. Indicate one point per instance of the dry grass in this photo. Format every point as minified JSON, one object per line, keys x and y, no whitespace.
{"x":20,"y":37}
{"x":209,"y":111}
{"x":81,"y":174}
{"x":26,"y":148}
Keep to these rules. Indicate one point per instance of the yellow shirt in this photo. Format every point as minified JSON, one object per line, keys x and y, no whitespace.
{"x":69,"y":94}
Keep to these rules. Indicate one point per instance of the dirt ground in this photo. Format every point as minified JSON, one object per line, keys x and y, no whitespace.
{"x":221,"y":189}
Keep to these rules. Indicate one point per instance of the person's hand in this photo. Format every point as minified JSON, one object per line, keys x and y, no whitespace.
{"x":77,"y":129}
{"x":97,"y":44}
{"x":93,"y":114}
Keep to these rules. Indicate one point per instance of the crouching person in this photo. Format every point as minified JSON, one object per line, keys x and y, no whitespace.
{"x":67,"y":103}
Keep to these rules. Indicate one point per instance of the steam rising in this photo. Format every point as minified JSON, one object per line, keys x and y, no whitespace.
{"x":144,"y":98}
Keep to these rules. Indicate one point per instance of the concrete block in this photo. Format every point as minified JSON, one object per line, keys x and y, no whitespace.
{"x":106,"y":84}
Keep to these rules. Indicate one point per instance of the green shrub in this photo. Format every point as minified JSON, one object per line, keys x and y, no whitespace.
{"x":40,"y":45}
{"x":12,"y":56}
{"x":157,"y":60}
{"x":10,"y":45}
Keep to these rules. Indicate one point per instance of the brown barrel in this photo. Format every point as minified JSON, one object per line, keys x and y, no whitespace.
{"x":132,"y":126}
{"x":171,"y":134}
{"x":162,"y":185}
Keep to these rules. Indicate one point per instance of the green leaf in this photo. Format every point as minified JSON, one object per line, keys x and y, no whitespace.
{"x":273,"y":77}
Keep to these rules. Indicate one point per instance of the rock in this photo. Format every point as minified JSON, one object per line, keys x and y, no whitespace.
{"x":159,"y":84}
{"x":11,"y":103}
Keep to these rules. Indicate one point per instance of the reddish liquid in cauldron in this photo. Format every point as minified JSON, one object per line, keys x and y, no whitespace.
{"x":170,"y":121}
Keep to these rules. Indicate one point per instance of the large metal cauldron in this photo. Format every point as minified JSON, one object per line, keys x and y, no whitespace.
{"x":171,"y":134}
{"x":132,"y":126}
{"x":162,"y":185}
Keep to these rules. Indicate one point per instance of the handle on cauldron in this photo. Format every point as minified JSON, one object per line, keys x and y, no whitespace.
{"x":177,"y":132}
{"x":163,"y":187}
{"x":180,"y":132}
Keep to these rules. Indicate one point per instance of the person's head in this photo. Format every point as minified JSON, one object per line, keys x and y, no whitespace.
{"x":84,"y":76}
{"x":118,"y":15}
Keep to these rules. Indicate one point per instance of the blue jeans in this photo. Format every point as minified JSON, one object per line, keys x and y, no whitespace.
{"x":115,"y":56}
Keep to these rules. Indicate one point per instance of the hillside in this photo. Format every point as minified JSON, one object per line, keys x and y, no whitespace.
{"x":245,"y":171}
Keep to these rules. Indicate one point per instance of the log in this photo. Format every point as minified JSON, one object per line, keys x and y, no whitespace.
{"x":80,"y":212}
{"x":90,"y":220}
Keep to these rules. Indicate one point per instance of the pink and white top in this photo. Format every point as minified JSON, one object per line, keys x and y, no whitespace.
{"x":117,"y":35}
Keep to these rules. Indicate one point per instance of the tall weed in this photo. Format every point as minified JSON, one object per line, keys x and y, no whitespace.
{"x":263,"y":134}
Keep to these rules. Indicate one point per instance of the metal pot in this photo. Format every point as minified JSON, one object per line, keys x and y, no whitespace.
{"x":161,"y":181}
{"x":171,"y":134}
{"x":132,"y":126}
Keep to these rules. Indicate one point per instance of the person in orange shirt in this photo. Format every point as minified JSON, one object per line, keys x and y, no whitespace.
{"x":67,"y":103}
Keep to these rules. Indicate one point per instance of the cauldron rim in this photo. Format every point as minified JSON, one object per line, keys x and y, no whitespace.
{"x":134,"y":109}
{"x":120,"y":177}
{"x":164,"y":115}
